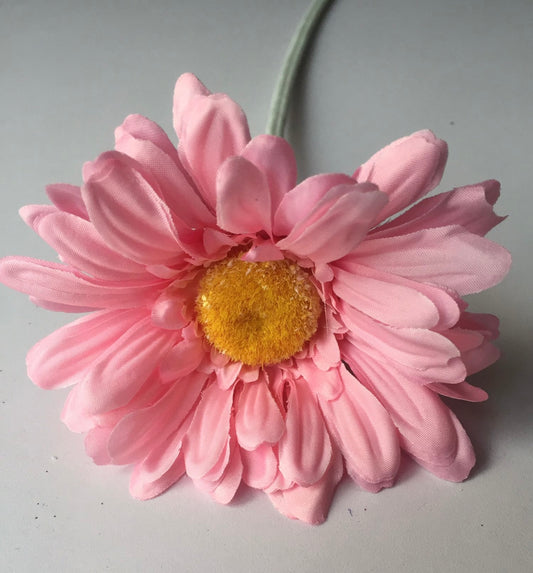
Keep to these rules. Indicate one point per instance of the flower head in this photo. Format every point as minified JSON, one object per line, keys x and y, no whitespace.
{"x":243,"y":327}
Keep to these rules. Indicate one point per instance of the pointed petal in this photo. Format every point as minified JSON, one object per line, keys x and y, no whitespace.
{"x":258,"y":418}
{"x":305,"y":448}
{"x":142,"y":489}
{"x":227,"y":487}
{"x":471,"y":206}
{"x":406,"y":169}
{"x":243,"y":198}
{"x":364,"y":432}
{"x":447,"y":256}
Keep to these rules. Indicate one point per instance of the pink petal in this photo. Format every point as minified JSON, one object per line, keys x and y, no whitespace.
{"x":263,"y":250}
{"x":259,"y":466}
{"x":337,"y":224}
{"x":243,"y":198}
{"x":63,"y":357}
{"x":128,"y":213}
{"x":56,"y":283}
{"x":461,"y":391}
{"x":429,"y":354}
{"x":305,"y":448}
{"x":79,"y":244}
{"x":325,"y":383}
{"x":142,"y":489}
{"x":447,"y":256}
{"x":227,"y":487}
{"x":364,"y":432}
{"x":96,"y":445}
{"x":324,"y":349}
{"x":470,"y":206}
{"x":186,"y":89}
{"x":59,"y":307}
{"x":429,"y":431}
{"x":148,"y":144}
{"x":213,"y":128}
{"x":32,"y":215}
{"x":297,"y":204}
{"x":394,"y":300}
{"x":209,"y":431}
{"x":228,"y":374}
{"x":258,"y":418}
{"x":182,"y":359}
{"x":123,"y":368}
{"x":406,"y":169}
{"x":310,"y":504}
{"x":170,"y":309}
{"x":67,"y":198}
{"x":274,"y":157}
{"x":138,"y":433}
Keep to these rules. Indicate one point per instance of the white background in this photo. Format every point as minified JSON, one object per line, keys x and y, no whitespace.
{"x":70,"y":71}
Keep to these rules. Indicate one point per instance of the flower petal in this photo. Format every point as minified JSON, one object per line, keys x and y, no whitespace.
{"x":79,"y":244}
{"x":243,"y":198}
{"x":67,"y":198}
{"x":186,"y":89}
{"x":259,"y":466}
{"x":63,"y":357}
{"x":297,"y":204}
{"x":142,"y":489}
{"x":258,"y":418}
{"x":213,"y":128}
{"x":337,"y":224}
{"x":57,"y":283}
{"x":208,"y":434}
{"x":274,"y":157}
{"x":364,"y":432}
{"x":471,"y":206}
{"x":305,"y":448}
{"x":429,"y":431}
{"x":447,"y":256}
{"x":128,"y":213}
{"x":406,"y":169}
{"x":141,"y":431}
{"x":148,"y":144}
{"x":310,"y":504}
{"x":124,"y":367}
{"x":394,"y":300}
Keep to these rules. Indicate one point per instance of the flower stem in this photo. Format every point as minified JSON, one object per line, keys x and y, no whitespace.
{"x":279,"y":104}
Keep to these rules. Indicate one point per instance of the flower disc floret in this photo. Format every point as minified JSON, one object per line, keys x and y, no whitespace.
{"x":257,"y":313}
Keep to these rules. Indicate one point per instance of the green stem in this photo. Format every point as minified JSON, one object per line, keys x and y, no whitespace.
{"x":279,"y":104}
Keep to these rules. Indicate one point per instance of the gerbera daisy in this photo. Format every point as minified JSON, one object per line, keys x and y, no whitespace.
{"x":245,"y":328}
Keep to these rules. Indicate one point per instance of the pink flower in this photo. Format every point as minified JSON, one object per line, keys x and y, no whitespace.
{"x":245,"y":328}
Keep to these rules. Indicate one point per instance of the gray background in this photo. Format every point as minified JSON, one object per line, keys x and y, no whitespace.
{"x":71,"y":70}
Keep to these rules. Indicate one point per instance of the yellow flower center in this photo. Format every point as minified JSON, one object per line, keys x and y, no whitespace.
{"x":257,"y":313}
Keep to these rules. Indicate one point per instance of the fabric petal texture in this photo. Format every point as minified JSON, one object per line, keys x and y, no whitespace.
{"x":244,"y":329}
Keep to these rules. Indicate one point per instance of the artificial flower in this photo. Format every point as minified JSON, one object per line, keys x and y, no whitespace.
{"x":245,"y":328}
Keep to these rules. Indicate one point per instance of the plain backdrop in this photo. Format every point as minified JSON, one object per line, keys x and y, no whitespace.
{"x":71,"y":70}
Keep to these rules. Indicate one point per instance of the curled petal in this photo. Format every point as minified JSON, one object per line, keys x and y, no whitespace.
{"x":447,"y":256}
{"x":141,"y":488}
{"x":128,"y":213}
{"x":406,"y":169}
{"x":305,"y":449}
{"x":67,"y":198}
{"x":186,"y":89}
{"x":243,"y":198}
{"x":364,"y":432}
{"x":258,"y":419}
{"x":212,"y":128}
